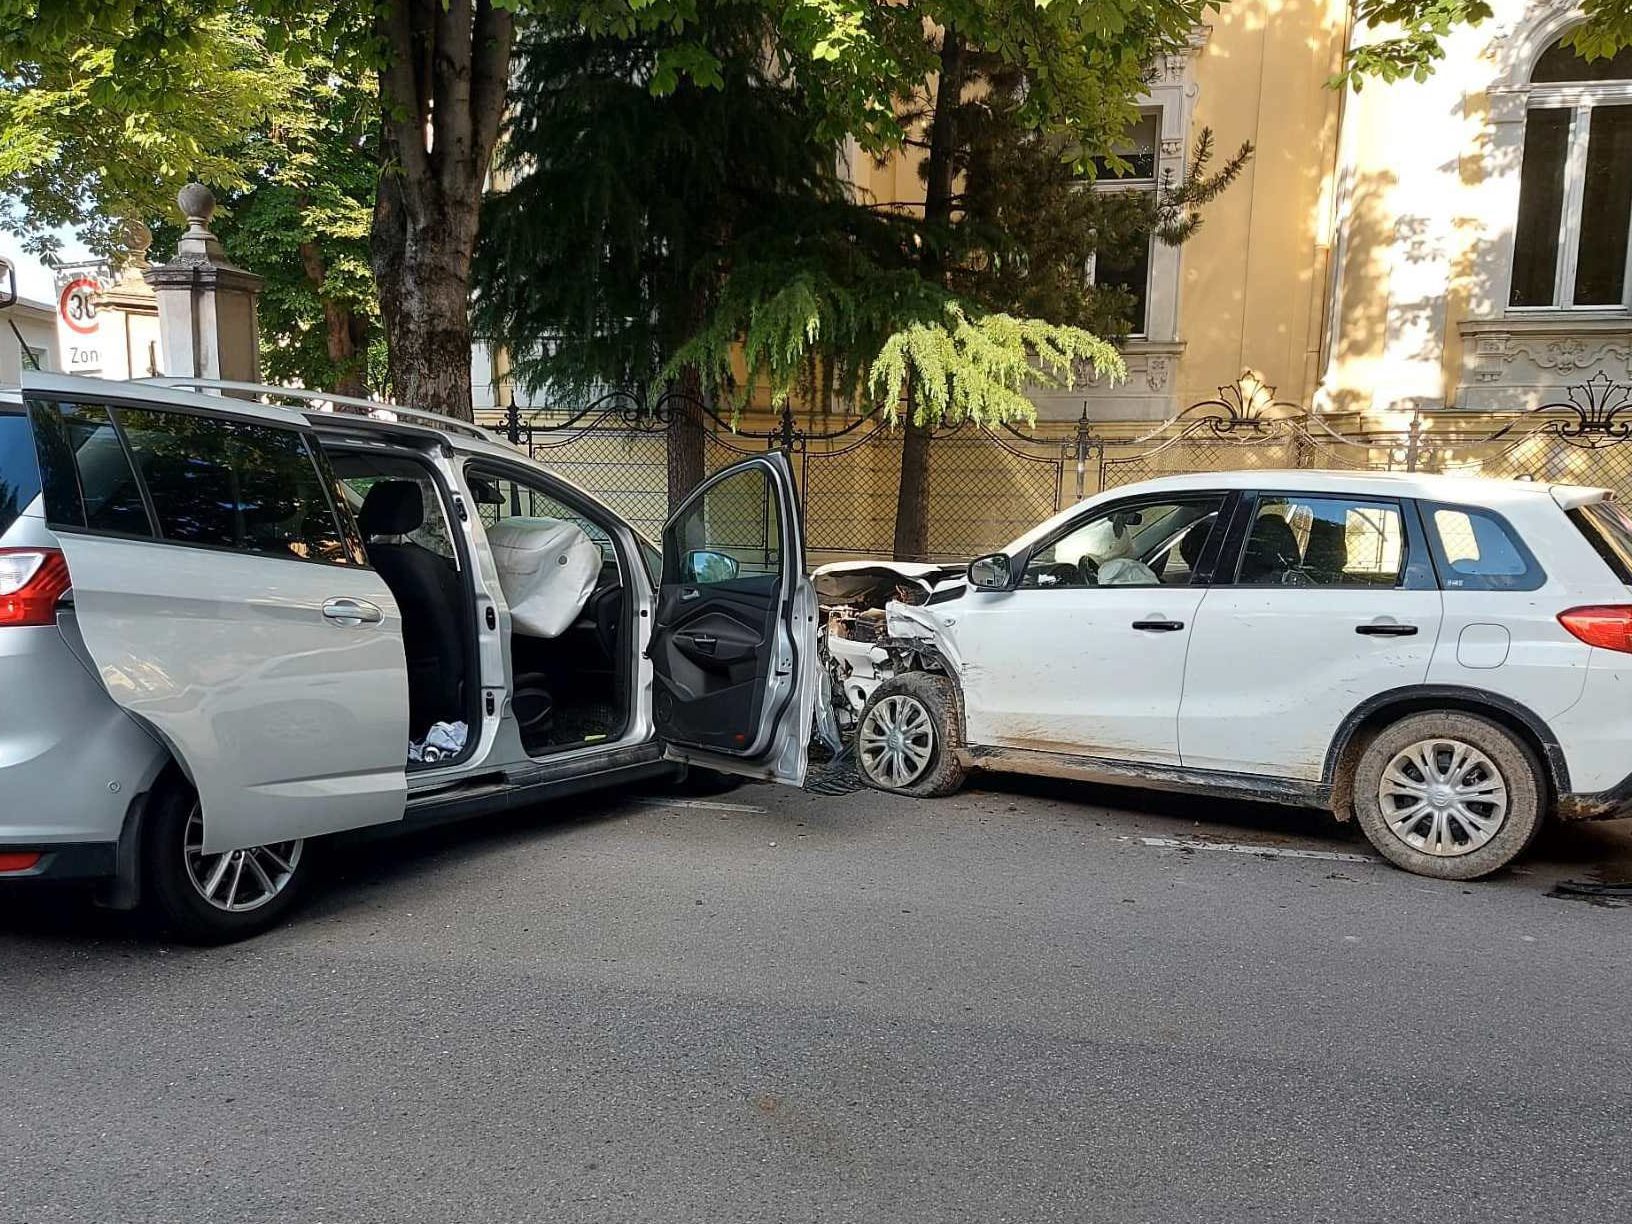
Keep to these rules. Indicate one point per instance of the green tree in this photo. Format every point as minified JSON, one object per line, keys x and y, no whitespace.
{"x":101,"y":126}
{"x":105,"y":111}
{"x":1411,"y":34}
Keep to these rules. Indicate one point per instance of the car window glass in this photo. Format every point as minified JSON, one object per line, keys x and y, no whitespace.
{"x":433,"y":533}
{"x":233,"y":484}
{"x":1145,"y":544}
{"x":501,"y":497}
{"x":1608,"y":528}
{"x":85,"y":471}
{"x":19,"y":470}
{"x":1323,"y":541}
{"x":733,"y":530}
{"x":1477,"y":552}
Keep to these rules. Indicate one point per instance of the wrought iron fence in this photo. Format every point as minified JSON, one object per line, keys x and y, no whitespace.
{"x":988,"y":485}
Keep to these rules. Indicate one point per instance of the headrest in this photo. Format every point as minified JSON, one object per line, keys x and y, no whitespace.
{"x":392,"y":507}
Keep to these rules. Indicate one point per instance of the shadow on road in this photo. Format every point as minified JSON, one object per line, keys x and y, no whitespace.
{"x":1595,"y":850}
{"x":352,"y":867}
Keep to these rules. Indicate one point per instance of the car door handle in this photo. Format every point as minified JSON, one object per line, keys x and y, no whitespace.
{"x":345,"y":611}
{"x":689,"y":594}
{"x":705,"y":642}
{"x":1386,"y":629}
{"x":1159,"y":626}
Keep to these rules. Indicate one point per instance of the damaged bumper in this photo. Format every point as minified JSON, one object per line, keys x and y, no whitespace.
{"x":1612,"y":804}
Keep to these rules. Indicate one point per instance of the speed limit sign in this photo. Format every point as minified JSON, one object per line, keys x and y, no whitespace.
{"x":76,"y":305}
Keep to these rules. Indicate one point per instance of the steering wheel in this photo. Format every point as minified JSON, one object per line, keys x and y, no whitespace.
{"x":1089,"y":569}
{"x":1062,"y":573}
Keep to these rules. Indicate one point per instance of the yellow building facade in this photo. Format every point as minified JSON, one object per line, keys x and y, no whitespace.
{"x":1454,"y":243}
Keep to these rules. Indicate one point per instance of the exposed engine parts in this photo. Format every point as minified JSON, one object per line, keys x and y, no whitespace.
{"x":857,"y":647}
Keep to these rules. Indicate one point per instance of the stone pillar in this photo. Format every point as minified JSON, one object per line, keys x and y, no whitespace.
{"x":208,"y":326}
{"x":128,"y":314}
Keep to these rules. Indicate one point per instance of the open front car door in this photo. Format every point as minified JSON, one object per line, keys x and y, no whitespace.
{"x":733,"y":649}
{"x":223,"y":596}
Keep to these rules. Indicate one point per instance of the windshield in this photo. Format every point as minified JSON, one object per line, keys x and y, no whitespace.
{"x":19,"y":469}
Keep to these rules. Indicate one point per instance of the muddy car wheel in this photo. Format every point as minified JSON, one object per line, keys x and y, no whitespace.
{"x":907,"y":735}
{"x":1449,"y":795}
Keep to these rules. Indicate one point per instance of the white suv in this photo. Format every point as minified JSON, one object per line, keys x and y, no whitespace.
{"x":230,"y":626}
{"x":1446,"y":660}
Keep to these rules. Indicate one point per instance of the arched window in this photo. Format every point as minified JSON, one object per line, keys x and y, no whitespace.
{"x":1570,"y":243}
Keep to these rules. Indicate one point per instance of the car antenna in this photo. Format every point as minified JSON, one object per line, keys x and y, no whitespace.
{"x":8,"y":297}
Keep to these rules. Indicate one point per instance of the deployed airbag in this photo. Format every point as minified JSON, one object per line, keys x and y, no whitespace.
{"x":547,"y":569}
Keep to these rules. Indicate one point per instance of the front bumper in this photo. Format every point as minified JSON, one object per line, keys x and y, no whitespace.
{"x":63,"y":861}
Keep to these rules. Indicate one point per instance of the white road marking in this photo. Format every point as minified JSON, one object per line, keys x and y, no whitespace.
{"x":1177,"y":843}
{"x":707,"y":805}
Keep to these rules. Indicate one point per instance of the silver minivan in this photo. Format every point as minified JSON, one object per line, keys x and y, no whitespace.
{"x":235,"y":619}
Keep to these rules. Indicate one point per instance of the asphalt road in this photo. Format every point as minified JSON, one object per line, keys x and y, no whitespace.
{"x":1002,"y":1007}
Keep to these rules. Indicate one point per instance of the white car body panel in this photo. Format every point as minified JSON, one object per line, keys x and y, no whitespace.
{"x":1275,"y":670}
{"x":1065,"y":671}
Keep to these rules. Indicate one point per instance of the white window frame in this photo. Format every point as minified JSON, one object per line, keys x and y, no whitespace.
{"x":1579,"y":98}
{"x":1111,"y":186}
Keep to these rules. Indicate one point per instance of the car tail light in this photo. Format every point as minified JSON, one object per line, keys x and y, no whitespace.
{"x":1606,"y":625}
{"x":31,"y":582}
{"x":20,"y":861}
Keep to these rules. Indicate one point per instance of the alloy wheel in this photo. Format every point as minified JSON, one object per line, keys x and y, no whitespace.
{"x":1442,"y":797}
{"x":239,"y":880}
{"x":896,"y":741}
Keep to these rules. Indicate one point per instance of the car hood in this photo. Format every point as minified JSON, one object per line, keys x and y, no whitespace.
{"x":846,"y":580}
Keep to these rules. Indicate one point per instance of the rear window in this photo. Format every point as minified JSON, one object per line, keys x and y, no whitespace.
{"x":1608,"y":529}
{"x":19,"y":471}
{"x":1476,"y":550}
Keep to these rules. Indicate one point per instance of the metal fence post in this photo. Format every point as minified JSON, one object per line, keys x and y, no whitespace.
{"x":1085,"y":445}
{"x":512,"y":422}
{"x":1415,"y":441}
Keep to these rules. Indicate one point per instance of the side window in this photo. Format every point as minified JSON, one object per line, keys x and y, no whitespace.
{"x":85,"y":472}
{"x":1141,"y":544}
{"x":734,"y":530}
{"x":1477,"y":551}
{"x":433,"y":533}
{"x":500,"y":497}
{"x":1300,"y":540}
{"x":233,"y":484}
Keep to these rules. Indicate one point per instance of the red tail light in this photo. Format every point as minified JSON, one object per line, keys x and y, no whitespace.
{"x":20,"y":861}
{"x":31,"y":582}
{"x":1605,"y":625}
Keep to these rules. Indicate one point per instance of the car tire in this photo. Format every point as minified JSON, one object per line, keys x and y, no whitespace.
{"x":908,"y":734}
{"x":175,"y":875}
{"x":1449,"y":795}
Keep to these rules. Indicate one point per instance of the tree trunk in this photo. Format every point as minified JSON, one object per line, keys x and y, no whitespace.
{"x":687,"y":432}
{"x":912,"y":498}
{"x":424,"y":279}
{"x":340,"y":325}
{"x":442,"y":92}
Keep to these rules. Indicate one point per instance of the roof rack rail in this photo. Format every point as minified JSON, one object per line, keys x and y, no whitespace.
{"x":327,"y":401}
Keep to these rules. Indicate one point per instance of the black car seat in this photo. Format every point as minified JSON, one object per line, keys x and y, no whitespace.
{"x":1271,"y":552}
{"x":1327,"y":557}
{"x":427,"y":591}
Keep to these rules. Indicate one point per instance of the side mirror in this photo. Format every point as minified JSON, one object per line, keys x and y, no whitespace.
{"x":486,"y":492}
{"x":705,"y":566}
{"x":994,"y":572}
